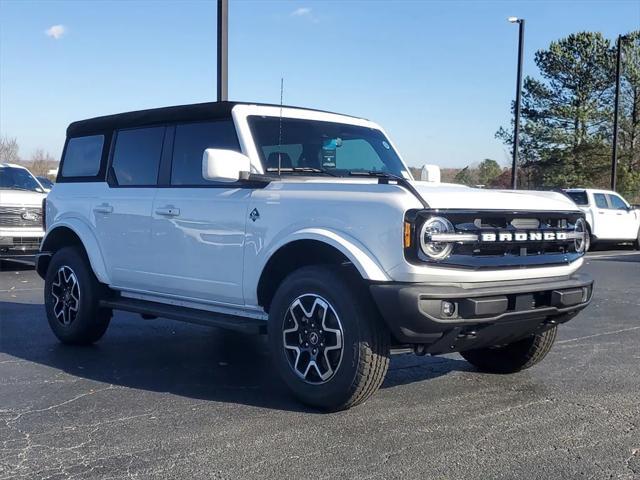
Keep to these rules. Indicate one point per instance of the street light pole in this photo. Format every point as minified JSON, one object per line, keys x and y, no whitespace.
{"x":223,"y":50}
{"x":516,"y":131}
{"x":616,"y":107}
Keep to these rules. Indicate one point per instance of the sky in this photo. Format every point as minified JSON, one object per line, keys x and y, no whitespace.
{"x":439,"y":76}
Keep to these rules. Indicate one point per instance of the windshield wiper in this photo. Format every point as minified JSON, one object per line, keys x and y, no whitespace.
{"x":16,"y":187}
{"x":375,"y":173}
{"x":301,"y":170}
{"x":384,"y":177}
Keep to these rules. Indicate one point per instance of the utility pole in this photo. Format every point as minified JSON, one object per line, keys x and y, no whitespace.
{"x":616,"y":107}
{"x":516,"y":131}
{"x":223,"y":50}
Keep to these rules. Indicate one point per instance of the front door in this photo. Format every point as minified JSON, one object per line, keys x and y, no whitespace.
{"x":626,"y":222}
{"x":199,"y":226}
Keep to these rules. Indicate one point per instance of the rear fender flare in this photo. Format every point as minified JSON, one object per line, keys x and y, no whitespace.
{"x":89,"y":242}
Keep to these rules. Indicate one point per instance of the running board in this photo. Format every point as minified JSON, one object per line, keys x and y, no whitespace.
{"x":190,"y":315}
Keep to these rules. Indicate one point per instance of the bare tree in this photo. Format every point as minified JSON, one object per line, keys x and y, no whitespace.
{"x":41,"y":162}
{"x":8,"y":150}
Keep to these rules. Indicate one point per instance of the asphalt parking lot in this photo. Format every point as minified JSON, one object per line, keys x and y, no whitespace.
{"x":161,"y":399}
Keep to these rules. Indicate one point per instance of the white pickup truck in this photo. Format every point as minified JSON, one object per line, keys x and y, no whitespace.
{"x":306,"y":225}
{"x":21,"y":198}
{"x":610,"y":218}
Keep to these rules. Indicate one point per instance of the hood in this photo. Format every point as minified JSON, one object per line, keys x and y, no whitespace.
{"x":20,"y":198}
{"x":447,"y":195}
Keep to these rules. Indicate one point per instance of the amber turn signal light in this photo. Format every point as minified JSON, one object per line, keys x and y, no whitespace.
{"x":407,"y":234}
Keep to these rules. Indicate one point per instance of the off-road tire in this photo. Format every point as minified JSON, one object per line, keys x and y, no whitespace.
{"x":365,"y":354}
{"x":89,"y":322}
{"x":514,"y":357}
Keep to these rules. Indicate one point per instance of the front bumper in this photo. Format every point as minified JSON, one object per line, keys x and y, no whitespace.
{"x":478,"y":314}
{"x":19,"y":245}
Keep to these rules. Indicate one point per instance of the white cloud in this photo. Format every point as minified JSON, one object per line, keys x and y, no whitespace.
{"x":56,"y":31}
{"x":306,"y":13}
{"x":301,"y":12}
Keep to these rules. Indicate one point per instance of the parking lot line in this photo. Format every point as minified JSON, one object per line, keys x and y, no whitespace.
{"x":618,"y":254}
{"x":20,"y":290}
{"x":597,"y":335}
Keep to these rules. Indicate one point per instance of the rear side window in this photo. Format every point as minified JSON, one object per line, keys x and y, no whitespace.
{"x":191,"y":140}
{"x":136,"y":157}
{"x":82,"y":156}
{"x":579,"y":198}
{"x":601,"y":200}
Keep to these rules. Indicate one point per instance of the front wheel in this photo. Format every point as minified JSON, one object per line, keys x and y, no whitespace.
{"x":513,"y":357}
{"x":327,"y":341}
{"x":587,"y":240}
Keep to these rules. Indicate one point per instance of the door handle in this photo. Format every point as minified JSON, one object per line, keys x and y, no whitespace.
{"x":168,"y":211}
{"x":104,"y":208}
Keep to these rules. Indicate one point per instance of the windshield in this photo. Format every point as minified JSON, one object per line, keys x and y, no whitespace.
{"x":18,"y":179}
{"x":579,"y":198}
{"x":45,"y":182}
{"x":334,"y":148}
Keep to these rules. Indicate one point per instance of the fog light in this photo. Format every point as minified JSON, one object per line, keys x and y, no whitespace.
{"x":585,"y":294}
{"x":448,"y":309}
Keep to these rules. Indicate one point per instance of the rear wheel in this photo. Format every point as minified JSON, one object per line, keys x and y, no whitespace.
{"x":513,"y":357}
{"x":72,"y":296}
{"x":637,"y":242}
{"x":328,"y":343}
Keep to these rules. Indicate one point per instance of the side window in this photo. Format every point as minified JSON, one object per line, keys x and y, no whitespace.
{"x":191,"y":140}
{"x":617,"y":202}
{"x":601,"y":200}
{"x":82,"y":156}
{"x":136,"y":157}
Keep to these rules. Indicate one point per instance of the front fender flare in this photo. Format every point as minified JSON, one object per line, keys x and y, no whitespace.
{"x":364,"y":261}
{"x":89,"y":242}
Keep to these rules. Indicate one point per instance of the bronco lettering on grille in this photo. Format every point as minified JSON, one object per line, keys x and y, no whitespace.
{"x":523,"y":236}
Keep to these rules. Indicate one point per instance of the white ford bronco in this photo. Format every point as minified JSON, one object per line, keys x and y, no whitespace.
{"x":308,"y":226}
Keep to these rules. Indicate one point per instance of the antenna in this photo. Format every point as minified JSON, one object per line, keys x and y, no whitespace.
{"x":280,"y":126}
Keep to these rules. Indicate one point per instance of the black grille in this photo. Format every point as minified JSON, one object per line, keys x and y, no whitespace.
{"x":15,"y":216}
{"x":508,"y":254}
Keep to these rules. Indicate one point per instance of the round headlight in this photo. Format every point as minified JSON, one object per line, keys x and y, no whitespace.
{"x":436,"y":250}
{"x":580,"y":241}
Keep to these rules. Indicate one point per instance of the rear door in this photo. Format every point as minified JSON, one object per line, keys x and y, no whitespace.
{"x":198,"y":225}
{"x":123,"y":217}
{"x":604,"y":218}
{"x":626,"y":223}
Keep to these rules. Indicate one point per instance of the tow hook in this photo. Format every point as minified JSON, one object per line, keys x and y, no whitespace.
{"x":468,"y":335}
{"x":420,"y":350}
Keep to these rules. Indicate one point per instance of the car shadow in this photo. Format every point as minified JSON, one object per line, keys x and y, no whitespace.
{"x":18,"y":265}
{"x":187,"y":360}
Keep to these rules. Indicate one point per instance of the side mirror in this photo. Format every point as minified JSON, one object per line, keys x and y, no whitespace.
{"x":224,"y":165}
{"x":430,"y":173}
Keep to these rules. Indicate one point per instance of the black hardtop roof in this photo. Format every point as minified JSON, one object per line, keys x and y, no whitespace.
{"x":179,"y":113}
